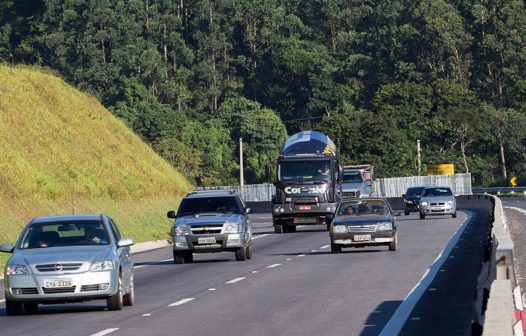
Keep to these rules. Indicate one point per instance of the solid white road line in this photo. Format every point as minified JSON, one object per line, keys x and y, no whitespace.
{"x":324,"y":246}
{"x":401,"y":314}
{"x":235,"y":280}
{"x":273,"y":265}
{"x":152,"y":263}
{"x":2,"y":301}
{"x":105,"y":332}
{"x":301,"y":255}
{"x":181,"y":302}
{"x":263,"y":235}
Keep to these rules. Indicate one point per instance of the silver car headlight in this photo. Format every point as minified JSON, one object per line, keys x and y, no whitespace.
{"x":180,"y":231}
{"x":424,"y":203}
{"x":339,"y":229}
{"x":103,"y":265}
{"x":17,"y":270}
{"x":450,"y":202}
{"x":384,"y":226}
{"x":231,"y":228}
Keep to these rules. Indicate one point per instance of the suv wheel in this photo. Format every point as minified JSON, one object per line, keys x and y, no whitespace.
{"x":289,"y":228}
{"x":393,"y":244}
{"x":13,"y":308}
{"x":454,"y":215}
{"x":249,"y":252}
{"x":179,"y":257}
{"x":241,"y":254}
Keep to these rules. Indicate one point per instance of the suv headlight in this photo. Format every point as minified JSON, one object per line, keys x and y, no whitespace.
{"x":231,"y":228}
{"x":339,"y":229}
{"x":17,"y":270}
{"x":423,"y":203}
{"x":180,"y":231}
{"x":384,"y":226}
{"x":103,"y":265}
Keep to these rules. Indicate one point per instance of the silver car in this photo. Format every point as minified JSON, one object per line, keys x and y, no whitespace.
{"x":70,"y":258}
{"x":437,"y":201}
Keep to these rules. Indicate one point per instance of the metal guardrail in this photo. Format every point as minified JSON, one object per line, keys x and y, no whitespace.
{"x":498,"y":190}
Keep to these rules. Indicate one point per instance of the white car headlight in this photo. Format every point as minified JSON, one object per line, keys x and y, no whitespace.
{"x":103,"y":265}
{"x":231,"y":228}
{"x":384,"y":226}
{"x":17,"y":270}
{"x":339,"y":229}
{"x":180,"y":231}
{"x":449,"y":202}
{"x":423,"y":203}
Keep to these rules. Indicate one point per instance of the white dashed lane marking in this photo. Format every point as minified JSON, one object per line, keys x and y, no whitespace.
{"x":273,"y":265}
{"x":235,"y":280}
{"x":263,"y":235}
{"x":324,"y":246}
{"x":181,"y":302}
{"x":301,"y":255}
{"x":105,"y":332}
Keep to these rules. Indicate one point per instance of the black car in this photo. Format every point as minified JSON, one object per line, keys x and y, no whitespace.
{"x":412,"y":199}
{"x":363,"y":222}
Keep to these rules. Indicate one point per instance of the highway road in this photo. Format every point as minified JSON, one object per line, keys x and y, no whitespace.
{"x":515,"y":212}
{"x":293,"y":285}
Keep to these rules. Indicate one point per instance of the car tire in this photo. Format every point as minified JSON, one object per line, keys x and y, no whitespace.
{"x":188,"y":257}
{"x":289,"y":228}
{"x":336,"y":249}
{"x":31,"y":308}
{"x":13,"y":308}
{"x":116,"y":301}
{"x":454,"y":215}
{"x":178,"y":258}
{"x":249,"y":252}
{"x":422,"y":216}
{"x":129,"y":299}
{"x":241,"y":254}
{"x":406,"y":212}
{"x":393,"y":245}
{"x":278,"y":228}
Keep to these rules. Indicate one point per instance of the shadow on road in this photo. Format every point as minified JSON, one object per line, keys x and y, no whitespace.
{"x":379,"y":317}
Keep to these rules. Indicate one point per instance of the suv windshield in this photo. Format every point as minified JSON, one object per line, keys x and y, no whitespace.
{"x":305,"y":170}
{"x":437,"y":192}
{"x":64,"y":233}
{"x":197,"y":205}
{"x":352,"y":177}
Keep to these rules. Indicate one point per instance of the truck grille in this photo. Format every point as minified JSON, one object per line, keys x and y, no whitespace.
{"x":364,"y":228}
{"x":349,"y":194}
{"x":306,"y":200}
{"x":206,"y":229}
{"x":58,"y":267}
{"x":58,"y":290}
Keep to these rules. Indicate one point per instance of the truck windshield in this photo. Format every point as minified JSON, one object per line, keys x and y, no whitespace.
{"x":352,"y":177}
{"x":305,"y":170}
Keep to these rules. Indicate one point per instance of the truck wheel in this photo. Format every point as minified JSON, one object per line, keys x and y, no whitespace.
{"x":289,"y":228}
{"x":454,"y":215}
{"x":406,"y":212}
{"x":13,"y":308}
{"x":393,"y":244}
{"x":178,"y":257}
{"x":241,"y":254}
{"x":278,"y":228}
{"x":422,"y":216}
{"x":335,"y":249}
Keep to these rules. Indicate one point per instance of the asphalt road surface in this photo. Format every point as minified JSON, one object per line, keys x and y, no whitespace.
{"x":293,"y":285}
{"x":515,"y":212}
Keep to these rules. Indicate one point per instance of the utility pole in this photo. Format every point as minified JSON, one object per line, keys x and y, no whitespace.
{"x":419,"y":163}
{"x":241,"y":163}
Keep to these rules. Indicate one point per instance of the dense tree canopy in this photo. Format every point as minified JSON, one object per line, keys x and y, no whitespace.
{"x":192,"y":77}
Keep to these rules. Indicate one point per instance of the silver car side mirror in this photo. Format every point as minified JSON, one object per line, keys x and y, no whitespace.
{"x":7,"y":248}
{"x":125,"y":242}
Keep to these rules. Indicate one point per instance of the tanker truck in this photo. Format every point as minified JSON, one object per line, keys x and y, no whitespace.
{"x":307,"y":182}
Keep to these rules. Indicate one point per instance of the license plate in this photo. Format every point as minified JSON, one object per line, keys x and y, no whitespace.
{"x":305,"y":207}
{"x":362,"y":237}
{"x":57,"y":283}
{"x":206,"y":240}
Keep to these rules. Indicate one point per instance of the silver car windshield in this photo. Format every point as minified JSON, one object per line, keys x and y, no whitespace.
{"x":437,"y":192}
{"x":363,"y":207}
{"x":64,"y":233}
{"x":352,"y":177}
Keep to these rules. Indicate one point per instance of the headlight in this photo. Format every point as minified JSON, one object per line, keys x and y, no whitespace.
{"x":449,"y":202}
{"x":231,"y":228}
{"x":17,"y":270}
{"x":384,"y":226}
{"x":180,"y":231}
{"x":103,"y":265}
{"x":339,"y":229}
{"x":423,"y":203}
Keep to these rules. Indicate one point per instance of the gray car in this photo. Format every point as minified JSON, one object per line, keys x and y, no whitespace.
{"x":69,"y":258}
{"x":211,"y":221}
{"x":437,"y":201}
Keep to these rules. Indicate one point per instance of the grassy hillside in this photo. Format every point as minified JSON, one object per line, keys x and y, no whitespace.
{"x":62,"y":152}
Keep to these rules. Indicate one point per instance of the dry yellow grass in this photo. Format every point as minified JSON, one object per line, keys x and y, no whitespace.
{"x":63,"y":152}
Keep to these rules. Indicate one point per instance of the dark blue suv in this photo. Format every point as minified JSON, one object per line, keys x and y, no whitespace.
{"x":412,"y":199}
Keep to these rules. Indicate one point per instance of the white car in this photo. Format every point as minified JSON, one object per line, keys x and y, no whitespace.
{"x":68,"y":259}
{"x":437,"y":201}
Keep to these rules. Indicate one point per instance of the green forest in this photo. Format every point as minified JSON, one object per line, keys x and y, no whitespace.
{"x":191,"y":77}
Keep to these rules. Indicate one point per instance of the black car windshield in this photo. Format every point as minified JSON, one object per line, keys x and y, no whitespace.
{"x":414,"y":191}
{"x":352,"y":177}
{"x":305,"y":170}
{"x":437,"y":192}
{"x":64,"y":233}
{"x":198,"y":205}
{"x":372,"y":207}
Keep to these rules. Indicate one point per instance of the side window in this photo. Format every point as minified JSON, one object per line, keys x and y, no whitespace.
{"x":114,"y":230}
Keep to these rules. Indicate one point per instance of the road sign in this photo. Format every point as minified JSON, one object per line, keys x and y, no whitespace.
{"x":441,"y":169}
{"x":513,"y":181}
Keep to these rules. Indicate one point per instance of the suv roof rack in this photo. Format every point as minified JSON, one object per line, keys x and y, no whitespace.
{"x":194,"y":192}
